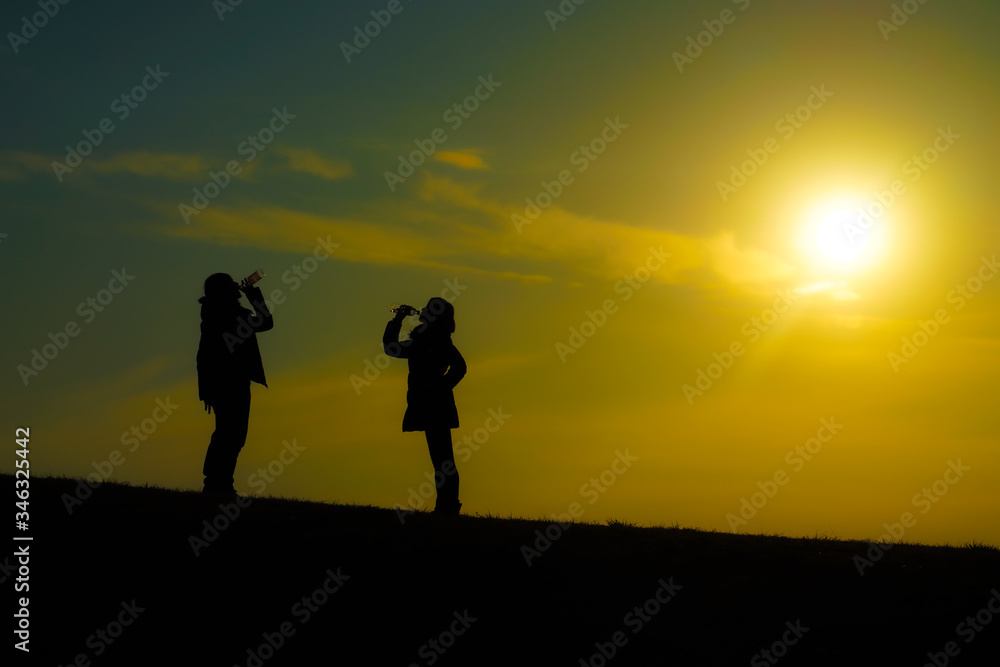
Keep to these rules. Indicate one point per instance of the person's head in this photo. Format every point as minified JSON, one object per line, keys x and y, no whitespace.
{"x":437,"y":317}
{"x":220,"y":288}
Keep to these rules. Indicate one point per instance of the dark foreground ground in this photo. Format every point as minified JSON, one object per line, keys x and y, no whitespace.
{"x":297,"y":583}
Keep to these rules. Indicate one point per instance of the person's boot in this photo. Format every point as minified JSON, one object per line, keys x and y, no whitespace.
{"x":216,"y":487}
{"x":448,"y":508}
{"x":219,"y":493}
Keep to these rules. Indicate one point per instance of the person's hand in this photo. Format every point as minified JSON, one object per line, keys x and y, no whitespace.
{"x":403,"y":311}
{"x":208,"y":407}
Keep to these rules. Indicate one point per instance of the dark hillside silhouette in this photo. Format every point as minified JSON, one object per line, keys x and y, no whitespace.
{"x":352,"y":585}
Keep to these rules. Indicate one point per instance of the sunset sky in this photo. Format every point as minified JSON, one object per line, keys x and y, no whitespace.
{"x":615,"y":200}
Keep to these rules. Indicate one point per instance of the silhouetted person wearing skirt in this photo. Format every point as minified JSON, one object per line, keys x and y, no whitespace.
{"x":228,"y":360}
{"x":436,"y":366}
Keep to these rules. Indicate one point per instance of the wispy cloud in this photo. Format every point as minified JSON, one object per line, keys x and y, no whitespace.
{"x":561,"y":236}
{"x":463,"y":159}
{"x":837,"y":290}
{"x":165,"y":165}
{"x":310,"y":162}
{"x":364,"y":242}
{"x":15,"y":165}
{"x":18,"y":164}
{"x":438,"y":232}
{"x":745,"y":265}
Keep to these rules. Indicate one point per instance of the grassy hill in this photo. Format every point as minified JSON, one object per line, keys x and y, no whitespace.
{"x":137,"y":576}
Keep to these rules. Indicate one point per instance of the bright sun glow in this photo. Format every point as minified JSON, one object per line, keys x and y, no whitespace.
{"x":839,"y":236}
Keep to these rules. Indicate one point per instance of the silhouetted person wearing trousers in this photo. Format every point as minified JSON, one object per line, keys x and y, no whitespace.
{"x":436,"y":366}
{"x":228,"y":360}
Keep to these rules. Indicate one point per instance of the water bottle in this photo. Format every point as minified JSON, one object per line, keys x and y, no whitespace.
{"x":253,"y":277}
{"x":408,"y":311}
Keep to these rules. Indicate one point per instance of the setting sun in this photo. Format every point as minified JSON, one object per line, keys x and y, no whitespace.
{"x":836,"y":240}
{"x":838,"y":237}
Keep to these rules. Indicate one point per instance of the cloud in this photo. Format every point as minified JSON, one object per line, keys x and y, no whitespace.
{"x":558,"y":235}
{"x":17,"y":164}
{"x":463,"y":159}
{"x":309,"y":162}
{"x":166,"y":165}
{"x":434,"y":189}
{"x":837,"y":290}
{"x":431,"y":233}
{"x":570,"y":239}
{"x":286,"y":230}
{"x":14,"y":165}
{"x":744,"y":265}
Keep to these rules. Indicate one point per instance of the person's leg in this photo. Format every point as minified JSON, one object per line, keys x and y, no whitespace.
{"x":232,"y":416}
{"x":445,"y":472}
